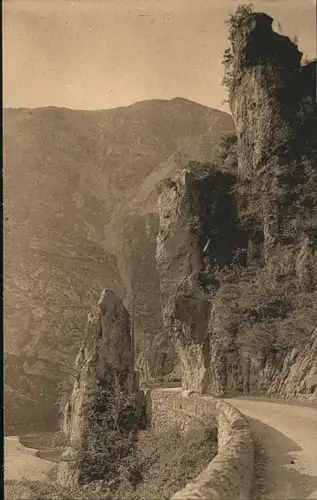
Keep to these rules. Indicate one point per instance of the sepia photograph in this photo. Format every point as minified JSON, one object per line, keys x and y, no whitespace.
{"x":160,"y":249}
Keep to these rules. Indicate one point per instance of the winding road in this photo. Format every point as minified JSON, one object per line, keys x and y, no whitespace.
{"x":286,"y":448}
{"x":285,"y":437}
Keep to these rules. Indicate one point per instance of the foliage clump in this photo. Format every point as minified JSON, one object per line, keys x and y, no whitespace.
{"x":112,"y":423}
{"x":234,"y":22}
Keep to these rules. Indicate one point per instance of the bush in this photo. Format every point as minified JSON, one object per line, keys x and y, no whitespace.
{"x":110,"y":434}
{"x":242,"y":12}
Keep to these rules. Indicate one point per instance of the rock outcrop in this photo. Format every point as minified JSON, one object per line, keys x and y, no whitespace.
{"x":237,"y":249}
{"x":179,"y":258}
{"x":273,"y":104}
{"x":192,"y":210}
{"x":265,"y":100}
{"x":294,"y":374}
{"x":106,"y":403}
{"x":285,"y":374}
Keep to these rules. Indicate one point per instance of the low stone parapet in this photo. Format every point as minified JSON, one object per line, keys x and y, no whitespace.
{"x":230,"y":474}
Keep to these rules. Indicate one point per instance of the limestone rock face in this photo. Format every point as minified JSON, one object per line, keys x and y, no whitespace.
{"x":296,"y":374}
{"x":190,"y":211}
{"x":289,"y":374}
{"x":266,"y":94}
{"x":105,"y":398}
{"x":249,"y":49}
{"x":179,"y":259}
{"x":238,"y":266}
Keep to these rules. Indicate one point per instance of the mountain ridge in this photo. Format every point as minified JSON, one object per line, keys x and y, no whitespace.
{"x":154,"y":100}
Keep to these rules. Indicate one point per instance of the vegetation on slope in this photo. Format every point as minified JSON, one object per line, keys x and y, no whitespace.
{"x":267,"y":294}
{"x":163,"y":462}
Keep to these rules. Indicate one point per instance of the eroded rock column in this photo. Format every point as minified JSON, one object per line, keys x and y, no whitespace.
{"x":265,"y":96}
{"x":106,"y":406}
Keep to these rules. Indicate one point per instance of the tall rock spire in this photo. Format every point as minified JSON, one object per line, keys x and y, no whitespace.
{"x":106,"y":401}
{"x":265,"y":95}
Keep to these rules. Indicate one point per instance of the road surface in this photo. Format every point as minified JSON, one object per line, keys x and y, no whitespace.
{"x":286,"y":449}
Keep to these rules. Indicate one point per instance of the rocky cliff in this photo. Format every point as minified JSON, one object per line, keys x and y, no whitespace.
{"x":193,"y":236}
{"x":236,"y":249}
{"x":271,"y":92}
{"x":106,"y":407}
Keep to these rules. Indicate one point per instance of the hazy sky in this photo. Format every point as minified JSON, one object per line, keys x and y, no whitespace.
{"x":96,"y":54}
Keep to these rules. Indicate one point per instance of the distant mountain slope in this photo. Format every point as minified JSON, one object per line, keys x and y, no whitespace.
{"x":80,"y":213}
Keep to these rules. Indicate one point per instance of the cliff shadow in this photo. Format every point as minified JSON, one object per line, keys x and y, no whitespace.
{"x":219,"y":218}
{"x":278,"y":471}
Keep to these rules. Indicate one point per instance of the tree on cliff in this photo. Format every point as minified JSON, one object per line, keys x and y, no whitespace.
{"x":242,"y":12}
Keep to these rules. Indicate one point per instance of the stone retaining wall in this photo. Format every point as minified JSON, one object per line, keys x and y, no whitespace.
{"x":229,"y":475}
